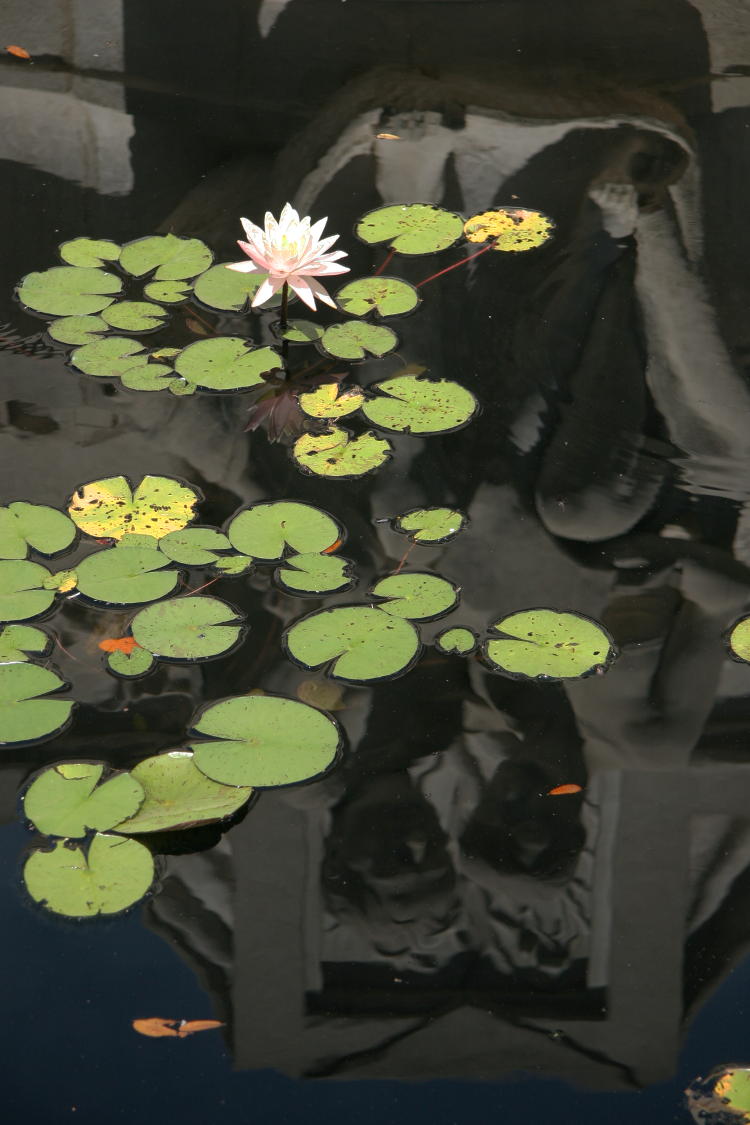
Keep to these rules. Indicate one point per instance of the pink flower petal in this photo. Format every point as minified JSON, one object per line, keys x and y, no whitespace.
{"x":242,"y":267}
{"x":303,"y":288}
{"x":328,"y":269}
{"x":321,"y":293}
{"x":265,"y":292}
{"x":317,"y":229}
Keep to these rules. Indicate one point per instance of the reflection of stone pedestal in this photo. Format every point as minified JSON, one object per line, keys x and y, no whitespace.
{"x":641,"y":896}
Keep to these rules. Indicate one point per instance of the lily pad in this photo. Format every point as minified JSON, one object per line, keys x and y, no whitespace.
{"x":230,"y":291}
{"x":18,"y":641}
{"x":69,"y":291}
{"x":387,"y":296}
{"x":151,"y":377}
{"x":414,"y":405}
{"x":124,"y":577}
{"x":416,"y":595}
{"x":234,"y":564}
{"x":513,"y":228}
{"x":109,"y":508}
{"x":738,"y":640}
{"x":135,"y":316}
{"x":314,"y":574}
{"x":23,"y":593}
{"x":458,"y":640}
{"x":67,"y":799}
{"x":733,"y":1088}
{"x":137,"y":662}
{"x":546,"y":644}
{"x":187,"y":628}
{"x":194,"y":546}
{"x":62,"y":581}
{"x":25,"y":525}
{"x":167,"y":292}
{"x":356,"y":339}
{"x":337,"y":453}
{"x":77,"y":329}
{"x":411,"y":228}
{"x":430,"y":525}
{"x":26,"y":715}
{"x":173,"y":259}
{"x":358,"y":643}
{"x":110,"y":357}
{"x":264,"y":741}
{"x":299,"y":332}
{"x":108,"y":877}
{"x":329,"y":400}
{"x":271,"y":528}
{"x":178,"y":795}
{"x":89,"y":252}
{"x":227,"y":363}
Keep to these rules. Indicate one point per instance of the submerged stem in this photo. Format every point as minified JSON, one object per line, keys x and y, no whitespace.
{"x":384,"y":264}
{"x":284,"y":305}
{"x":490,"y":246}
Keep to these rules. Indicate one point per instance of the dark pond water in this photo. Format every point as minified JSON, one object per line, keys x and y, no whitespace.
{"x":425,"y":933}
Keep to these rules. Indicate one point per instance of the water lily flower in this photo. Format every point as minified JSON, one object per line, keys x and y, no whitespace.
{"x":292,"y":252}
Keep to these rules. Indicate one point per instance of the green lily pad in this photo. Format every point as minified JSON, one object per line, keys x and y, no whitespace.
{"x":337,"y":453}
{"x":77,"y":329}
{"x":733,"y":1088}
{"x":117,"y":576}
{"x":356,"y":339}
{"x":173,"y":259}
{"x":430,"y":525}
{"x":387,"y":296}
{"x":25,"y":525}
{"x":230,"y":291}
{"x":299,"y":332}
{"x":138,"y":662}
{"x":411,"y":228}
{"x":550,"y":645}
{"x":414,"y":405}
{"x":22,"y":590}
{"x":152,"y":377}
{"x":178,"y":795}
{"x":416,"y":595}
{"x":67,"y":799}
{"x":187,"y":628}
{"x":135,"y":316}
{"x":271,"y":528}
{"x":24,"y":715}
{"x":458,"y":641}
{"x":109,"y":509}
{"x":329,"y":400}
{"x":18,"y":641}
{"x":264,"y":741}
{"x":91,"y":252}
{"x":314,"y":574}
{"x":69,"y":291}
{"x":234,"y":564}
{"x":194,"y":546}
{"x":61,"y":581}
{"x":108,"y":877}
{"x":110,"y":357}
{"x":359,"y":643}
{"x":167,"y":292}
{"x":512,"y":228}
{"x":738,"y":640}
{"x":227,"y":363}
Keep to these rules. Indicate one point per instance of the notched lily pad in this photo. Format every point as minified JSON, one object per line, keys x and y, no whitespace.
{"x":430,"y":525}
{"x":167,"y":292}
{"x":337,"y":453}
{"x":188,"y":628}
{"x":330,"y":400}
{"x":68,"y":799}
{"x":110,"y":875}
{"x":194,"y":546}
{"x":38,"y":526}
{"x":131,"y":663}
{"x":356,"y":339}
{"x":228,"y":363}
{"x":545,"y":644}
{"x":19,"y":642}
{"x":90,"y":252}
{"x":299,"y":331}
{"x":415,"y":405}
{"x":513,"y":229}
{"x":456,"y":641}
{"x":26,"y":712}
{"x":264,"y":741}
{"x":172,"y":258}
{"x":356,"y":643}
{"x":110,"y":357}
{"x":178,"y":795}
{"x":77,"y":329}
{"x":416,"y":595}
{"x":272,"y":528}
{"x":119,"y":576}
{"x":229,"y":291}
{"x":386,"y":296}
{"x":411,"y":228}
{"x":315,"y":574}
{"x":110,"y":509}
{"x":135,"y":316}
{"x":69,"y":291}
{"x":23,"y":590}
{"x":737,"y":639}
{"x":233,"y":565}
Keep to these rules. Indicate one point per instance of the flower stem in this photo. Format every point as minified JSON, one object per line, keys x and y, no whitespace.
{"x":384,"y":264}
{"x":283,"y":323}
{"x":463,"y":261}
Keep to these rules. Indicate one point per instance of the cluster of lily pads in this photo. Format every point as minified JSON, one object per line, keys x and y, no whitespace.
{"x":105,"y":295}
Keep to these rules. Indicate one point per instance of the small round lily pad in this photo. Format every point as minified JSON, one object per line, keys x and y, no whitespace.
{"x":416,"y":595}
{"x":458,"y":640}
{"x":227,"y":363}
{"x":110,"y":875}
{"x":337,"y":453}
{"x":411,"y":228}
{"x":70,"y":799}
{"x":314,"y":574}
{"x":430,"y":525}
{"x":89,"y":252}
{"x":77,"y":329}
{"x":272,"y":528}
{"x":415,"y":405}
{"x":354,"y":340}
{"x":126,"y":576}
{"x":513,"y":229}
{"x":187,"y":628}
{"x":386,"y":296}
{"x":738,"y":640}
{"x":357,"y":643}
{"x":546,"y":644}
{"x":299,"y":331}
{"x":330,"y":400}
{"x":135,"y":316}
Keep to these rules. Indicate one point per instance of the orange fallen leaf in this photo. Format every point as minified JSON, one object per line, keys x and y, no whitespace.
{"x":334,"y":547}
{"x":387,"y":137}
{"x":188,"y":1027}
{"x":19,"y":52}
{"x":564,"y":790}
{"x":119,"y":644}
{"x":157,"y":1028}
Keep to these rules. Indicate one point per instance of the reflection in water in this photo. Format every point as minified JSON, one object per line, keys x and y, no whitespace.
{"x":429,"y":909}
